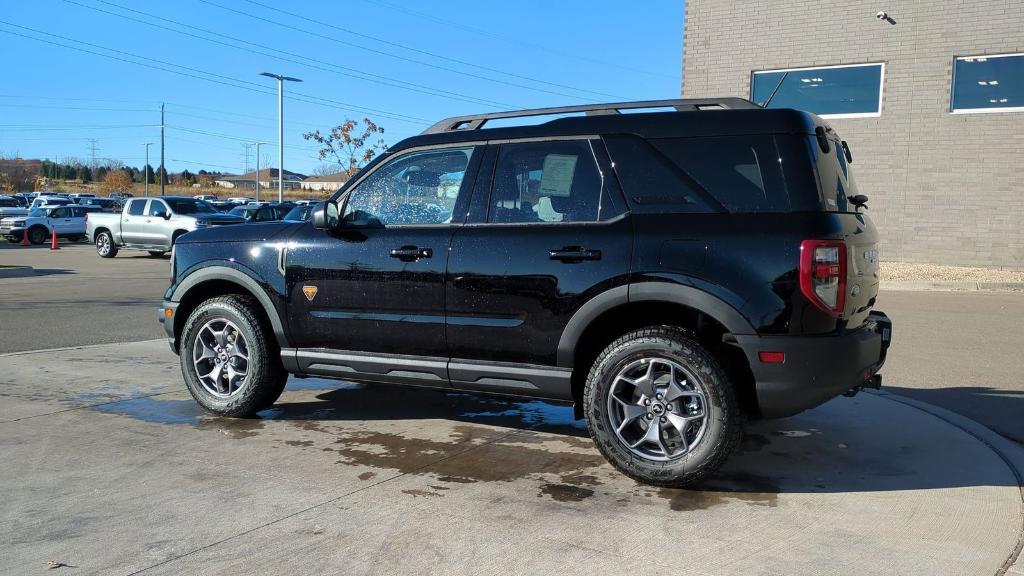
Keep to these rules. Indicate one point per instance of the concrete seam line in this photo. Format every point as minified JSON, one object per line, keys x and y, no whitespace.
{"x":986,"y":436}
{"x":315,"y":506}
{"x":81,"y":347}
{"x":86,"y":406}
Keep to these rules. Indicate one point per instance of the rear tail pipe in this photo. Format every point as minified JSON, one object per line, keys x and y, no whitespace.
{"x":872,"y":383}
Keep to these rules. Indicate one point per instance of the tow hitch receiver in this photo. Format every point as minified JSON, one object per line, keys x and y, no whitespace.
{"x":873,"y":383}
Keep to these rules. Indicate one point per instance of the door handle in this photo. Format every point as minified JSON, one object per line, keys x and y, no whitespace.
{"x":572,"y":254}
{"x":411,"y":253}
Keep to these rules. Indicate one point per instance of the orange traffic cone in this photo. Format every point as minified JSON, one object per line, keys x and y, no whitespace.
{"x":24,"y":238}
{"x":53,"y":240}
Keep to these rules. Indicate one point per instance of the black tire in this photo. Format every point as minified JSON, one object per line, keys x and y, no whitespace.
{"x":156,"y":253}
{"x":38,"y":235}
{"x":266,"y":377}
{"x":722,"y":429}
{"x":105,"y":246}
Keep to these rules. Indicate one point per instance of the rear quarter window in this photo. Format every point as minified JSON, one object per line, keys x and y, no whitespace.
{"x":743,"y":173}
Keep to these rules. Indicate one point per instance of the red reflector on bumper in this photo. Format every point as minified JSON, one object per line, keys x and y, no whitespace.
{"x":772,"y":357}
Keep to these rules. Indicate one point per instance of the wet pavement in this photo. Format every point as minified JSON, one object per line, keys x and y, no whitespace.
{"x":111,"y":468}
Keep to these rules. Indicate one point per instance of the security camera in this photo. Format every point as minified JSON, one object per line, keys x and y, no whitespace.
{"x":882,"y":15}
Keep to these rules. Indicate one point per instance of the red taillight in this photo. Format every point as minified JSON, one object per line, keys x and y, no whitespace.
{"x":823,"y":274}
{"x":771,"y":357}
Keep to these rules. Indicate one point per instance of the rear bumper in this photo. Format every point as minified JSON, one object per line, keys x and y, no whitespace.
{"x":816,"y":368}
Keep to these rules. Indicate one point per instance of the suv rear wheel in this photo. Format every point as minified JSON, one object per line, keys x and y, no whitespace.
{"x":228,"y":363}
{"x":660,"y":407}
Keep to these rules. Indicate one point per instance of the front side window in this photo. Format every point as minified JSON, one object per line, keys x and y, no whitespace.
{"x":60,"y":213}
{"x":137,"y":207}
{"x":830,"y":91}
{"x":414,"y":189}
{"x":988,"y":83}
{"x":157,"y":208}
{"x":546,"y":182}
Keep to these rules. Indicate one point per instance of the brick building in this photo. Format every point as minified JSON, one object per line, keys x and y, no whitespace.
{"x":930,"y":97}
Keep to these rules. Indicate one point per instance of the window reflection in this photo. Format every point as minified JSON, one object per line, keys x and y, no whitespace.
{"x":826,"y":91}
{"x":988,"y":83}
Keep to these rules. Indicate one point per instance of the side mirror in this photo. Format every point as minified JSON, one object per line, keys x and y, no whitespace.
{"x":166,"y":215}
{"x":326,"y":217}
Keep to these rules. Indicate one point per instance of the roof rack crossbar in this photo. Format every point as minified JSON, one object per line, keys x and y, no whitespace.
{"x":477,"y":121}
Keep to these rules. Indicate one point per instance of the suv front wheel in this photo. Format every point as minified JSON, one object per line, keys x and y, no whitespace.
{"x":660,"y":407}
{"x":228,"y":362}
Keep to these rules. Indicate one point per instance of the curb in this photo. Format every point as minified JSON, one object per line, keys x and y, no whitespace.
{"x":17,"y":272}
{"x":953,"y":285}
{"x":1011,"y":453}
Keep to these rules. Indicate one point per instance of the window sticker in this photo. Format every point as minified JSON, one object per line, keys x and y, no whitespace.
{"x":556,"y":179}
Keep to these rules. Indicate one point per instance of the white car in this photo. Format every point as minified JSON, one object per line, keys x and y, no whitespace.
{"x":67,"y":221}
{"x":240,"y":200}
{"x":48,"y":201}
{"x":207,"y":197}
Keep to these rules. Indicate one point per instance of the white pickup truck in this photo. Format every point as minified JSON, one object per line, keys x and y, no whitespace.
{"x":67,"y":221}
{"x":152,"y":224}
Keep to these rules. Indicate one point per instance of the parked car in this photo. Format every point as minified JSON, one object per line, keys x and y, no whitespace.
{"x":11,"y":206}
{"x":152,"y":224}
{"x":120,"y":195}
{"x":106,"y":204}
{"x":237,"y":200}
{"x":80,"y":195}
{"x":259,"y":212}
{"x":300,"y":213}
{"x":673,"y":274}
{"x":206,"y":197}
{"x":49,"y":201}
{"x":67,"y":221}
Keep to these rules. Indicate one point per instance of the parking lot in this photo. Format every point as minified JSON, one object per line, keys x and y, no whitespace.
{"x":113,"y":469}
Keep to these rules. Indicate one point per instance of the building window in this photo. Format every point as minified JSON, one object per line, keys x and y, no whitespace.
{"x":850,"y":91}
{"x":988,"y":84}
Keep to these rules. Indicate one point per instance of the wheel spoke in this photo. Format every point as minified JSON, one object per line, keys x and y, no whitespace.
{"x":653,"y":434}
{"x":630,"y":412}
{"x":645,"y":384}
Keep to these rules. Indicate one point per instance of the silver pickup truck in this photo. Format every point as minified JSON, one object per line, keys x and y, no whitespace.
{"x":152,"y":224}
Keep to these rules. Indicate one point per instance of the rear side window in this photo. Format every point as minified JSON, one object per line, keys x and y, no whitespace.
{"x":137,"y":207}
{"x":743,"y":173}
{"x":547,"y":182}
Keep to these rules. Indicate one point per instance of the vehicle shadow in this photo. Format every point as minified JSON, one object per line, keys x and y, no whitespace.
{"x":53,"y":271}
{"x":1000,"y":409}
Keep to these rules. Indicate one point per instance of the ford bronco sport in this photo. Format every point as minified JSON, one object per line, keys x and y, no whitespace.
{"x":673,"y":268}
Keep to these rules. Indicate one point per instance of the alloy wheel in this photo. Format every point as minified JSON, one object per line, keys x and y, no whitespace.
{"x":221,"y":358}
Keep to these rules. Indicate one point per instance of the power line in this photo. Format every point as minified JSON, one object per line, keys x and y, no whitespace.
{"x":202,"y":75}
{"x":26,"y":127}
{"x":412,"y":49}
{"x":303,"y":60}
{"x":489,"y":34}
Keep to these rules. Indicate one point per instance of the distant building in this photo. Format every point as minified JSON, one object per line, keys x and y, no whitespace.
{"x":267,"y":179}
{"x":930,"y":96}
{"x":325,"y":183}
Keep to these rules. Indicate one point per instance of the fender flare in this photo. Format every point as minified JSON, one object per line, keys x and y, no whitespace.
{"x":236,"y":276}
{"x":687,"y":296}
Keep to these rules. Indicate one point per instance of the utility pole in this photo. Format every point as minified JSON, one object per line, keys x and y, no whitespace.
{"x":258,"y":169}
{"x":162,"y":168}
{"x":145,"y":170}
{"x":280,"y":129}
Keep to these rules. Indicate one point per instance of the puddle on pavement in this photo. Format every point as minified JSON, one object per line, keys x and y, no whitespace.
{"x":474,"y":452}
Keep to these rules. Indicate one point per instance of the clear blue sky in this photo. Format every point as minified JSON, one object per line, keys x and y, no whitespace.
{"x":403,"y":63}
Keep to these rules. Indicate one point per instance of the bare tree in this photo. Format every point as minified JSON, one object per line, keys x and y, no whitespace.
{"x":350,"y":145}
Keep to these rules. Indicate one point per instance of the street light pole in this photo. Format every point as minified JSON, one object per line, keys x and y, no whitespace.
{"x":163,"y":169}
{"x":258,"y":169}
{"x":145,"y":171}
{"x":280,"y":129}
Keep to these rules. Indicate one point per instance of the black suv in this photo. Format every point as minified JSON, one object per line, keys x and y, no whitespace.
{"x":672,"y":268}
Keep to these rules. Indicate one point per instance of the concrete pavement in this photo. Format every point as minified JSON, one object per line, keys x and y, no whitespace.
{"x":114,"y":470}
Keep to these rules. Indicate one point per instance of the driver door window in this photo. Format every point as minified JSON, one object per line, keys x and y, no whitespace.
{"x":157,"y":208}
{"x":415,"y":189}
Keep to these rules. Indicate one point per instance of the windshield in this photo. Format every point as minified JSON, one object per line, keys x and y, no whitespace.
{"x":190,"y":206}
{"x":37,"y":213}
{"x":243,"y":211}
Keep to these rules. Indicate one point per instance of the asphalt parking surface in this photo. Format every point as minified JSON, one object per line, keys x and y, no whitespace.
{"x":111,"y":468}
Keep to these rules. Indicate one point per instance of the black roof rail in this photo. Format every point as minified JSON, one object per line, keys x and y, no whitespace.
{"x":477,"y":121}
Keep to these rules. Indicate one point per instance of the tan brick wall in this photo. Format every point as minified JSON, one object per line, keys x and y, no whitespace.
{"x":944,"y":188}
